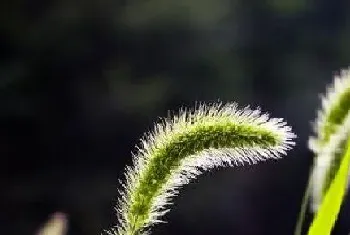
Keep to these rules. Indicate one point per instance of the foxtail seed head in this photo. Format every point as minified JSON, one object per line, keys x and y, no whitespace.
{"x":181,"y":147}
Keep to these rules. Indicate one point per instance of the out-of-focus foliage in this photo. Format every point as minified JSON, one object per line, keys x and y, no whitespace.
{"x":57,"y":225}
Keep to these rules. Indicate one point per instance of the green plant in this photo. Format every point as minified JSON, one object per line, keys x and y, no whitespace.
{"x":328,"y":180}
{"x":181,"y":147}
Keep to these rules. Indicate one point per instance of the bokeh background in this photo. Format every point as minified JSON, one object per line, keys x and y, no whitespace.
{"x":81,"y":81}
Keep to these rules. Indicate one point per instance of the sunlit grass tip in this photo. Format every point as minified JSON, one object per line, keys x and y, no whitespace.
{"x":181,"y":147}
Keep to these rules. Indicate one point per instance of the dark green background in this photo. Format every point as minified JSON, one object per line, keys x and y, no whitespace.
{"x":80,"y":81}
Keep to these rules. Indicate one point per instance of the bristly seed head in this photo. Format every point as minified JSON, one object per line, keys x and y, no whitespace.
{"x":181,"y":147}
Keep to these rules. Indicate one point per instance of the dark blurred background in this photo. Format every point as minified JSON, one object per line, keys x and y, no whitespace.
{"x":81,"y":81}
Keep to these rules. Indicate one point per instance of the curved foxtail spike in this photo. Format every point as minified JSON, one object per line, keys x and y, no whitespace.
{"x":181,"y":147}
